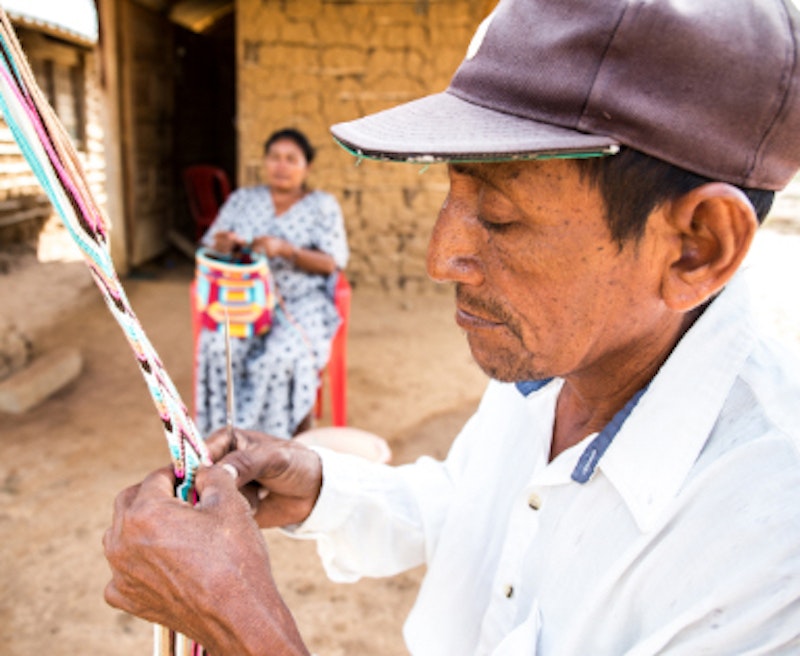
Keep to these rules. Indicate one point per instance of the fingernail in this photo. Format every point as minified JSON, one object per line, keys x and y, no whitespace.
{"x":231,"y":470}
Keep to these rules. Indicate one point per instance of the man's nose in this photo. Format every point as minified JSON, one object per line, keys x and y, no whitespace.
{"x":453,"y":248}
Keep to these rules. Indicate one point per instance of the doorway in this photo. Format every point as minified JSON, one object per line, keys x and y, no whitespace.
{"x":178,"y":107}
{"x":204,"y":124}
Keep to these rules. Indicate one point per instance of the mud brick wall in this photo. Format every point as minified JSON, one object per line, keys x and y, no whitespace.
{"x":312,"y":63}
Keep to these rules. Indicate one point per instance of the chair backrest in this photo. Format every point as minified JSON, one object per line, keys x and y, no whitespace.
{"x":207,"y":187}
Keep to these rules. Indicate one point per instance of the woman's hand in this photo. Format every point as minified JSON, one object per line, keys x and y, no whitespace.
{"x":274,"y":247}
{"x":227,"y":241}
{"x":303,"y":259}
{"x":280,"y":478}
{"x":202,"y":570}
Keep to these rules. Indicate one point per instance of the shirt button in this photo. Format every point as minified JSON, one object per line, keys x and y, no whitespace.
{"x":508,"y":590}
{"x":534,"y":501}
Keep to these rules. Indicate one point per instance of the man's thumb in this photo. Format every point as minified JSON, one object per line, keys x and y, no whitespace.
{"x":214,"y":483}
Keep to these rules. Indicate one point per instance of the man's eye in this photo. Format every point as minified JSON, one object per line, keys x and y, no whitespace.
{"x":494,"y":226}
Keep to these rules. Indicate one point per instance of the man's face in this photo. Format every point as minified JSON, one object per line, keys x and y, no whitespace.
{"x":541,"y":288}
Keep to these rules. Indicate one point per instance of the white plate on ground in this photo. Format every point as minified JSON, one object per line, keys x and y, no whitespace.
{"x":348,"y":440}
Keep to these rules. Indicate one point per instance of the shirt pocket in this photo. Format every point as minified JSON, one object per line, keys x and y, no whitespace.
{"x":524,"y":639}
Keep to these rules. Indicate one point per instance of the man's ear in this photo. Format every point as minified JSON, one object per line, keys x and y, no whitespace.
{"x":714,"y":225}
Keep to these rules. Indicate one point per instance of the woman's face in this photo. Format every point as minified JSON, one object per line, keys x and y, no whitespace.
{"x":285,"y":166}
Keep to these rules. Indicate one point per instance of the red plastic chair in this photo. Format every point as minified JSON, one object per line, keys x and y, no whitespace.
{"x":337,"y":363}
{"x":207,"y":187}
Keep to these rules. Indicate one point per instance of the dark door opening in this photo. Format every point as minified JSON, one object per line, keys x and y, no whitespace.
{"x":204,"y":122}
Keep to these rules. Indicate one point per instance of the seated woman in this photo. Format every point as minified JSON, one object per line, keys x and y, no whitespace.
{"x":302,"y":233}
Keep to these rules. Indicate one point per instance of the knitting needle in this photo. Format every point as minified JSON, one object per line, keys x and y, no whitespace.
{"x":230,"y":399}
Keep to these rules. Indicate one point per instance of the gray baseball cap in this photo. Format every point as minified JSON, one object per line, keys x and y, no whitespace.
{"x":708,"y":85}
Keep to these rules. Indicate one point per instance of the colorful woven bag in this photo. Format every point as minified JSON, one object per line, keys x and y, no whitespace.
{"x":242,"y":283}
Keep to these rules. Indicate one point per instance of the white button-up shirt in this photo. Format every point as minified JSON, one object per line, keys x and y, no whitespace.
{"x":675,"y":530}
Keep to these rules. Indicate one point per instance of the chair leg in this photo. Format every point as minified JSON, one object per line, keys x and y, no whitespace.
{"x":337,"y":376}
{"x":337,"y":367}
{"x":318,"y":405}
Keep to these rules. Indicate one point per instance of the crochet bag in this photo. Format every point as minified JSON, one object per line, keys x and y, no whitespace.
{"x":243,"y":283}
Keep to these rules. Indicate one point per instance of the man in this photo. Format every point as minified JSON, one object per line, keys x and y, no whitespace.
{"x":631,"y":480}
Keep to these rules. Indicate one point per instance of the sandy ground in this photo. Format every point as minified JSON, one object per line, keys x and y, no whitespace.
{"x":410,"y":379}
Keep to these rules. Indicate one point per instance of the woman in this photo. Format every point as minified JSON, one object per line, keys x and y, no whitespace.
{"x":301,"y":231}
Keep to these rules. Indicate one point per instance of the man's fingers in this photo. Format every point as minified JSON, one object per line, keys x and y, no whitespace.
{"x":231,"y":470}
{"x":291,"y":472}
{"x":116,"y":599}
{"x":122,"y":502}
{"x":271,"y":462}
{"x":215,"y":485}
{"x":161,"y":482}
{"x":218,"y":444}
{"x":248,"y":464}
{"x":112,"y":595}
{"x":124,"y":499}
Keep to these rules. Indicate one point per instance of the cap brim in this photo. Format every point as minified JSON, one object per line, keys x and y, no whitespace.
{"x":445,"y":128}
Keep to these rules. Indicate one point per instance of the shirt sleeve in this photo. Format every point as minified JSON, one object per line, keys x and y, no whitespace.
{"x":330,"y":235}
{"x":367,"y":521}
{"x":379,"y":520}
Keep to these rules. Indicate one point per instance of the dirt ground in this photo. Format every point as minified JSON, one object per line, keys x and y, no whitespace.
{"x":410,"y":379}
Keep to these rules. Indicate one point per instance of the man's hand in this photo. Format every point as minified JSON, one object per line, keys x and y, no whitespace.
{"x":202,"y":570}
{"x":280,"y":478}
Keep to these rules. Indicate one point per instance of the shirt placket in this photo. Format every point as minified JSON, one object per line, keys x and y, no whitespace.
{"x":510,"y":596}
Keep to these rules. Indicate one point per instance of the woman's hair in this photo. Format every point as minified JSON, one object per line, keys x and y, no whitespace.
{"x":293,"y":135}
{"x":634,"y":184}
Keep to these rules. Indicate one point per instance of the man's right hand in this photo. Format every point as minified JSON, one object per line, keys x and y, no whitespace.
{"x":280,"y":478}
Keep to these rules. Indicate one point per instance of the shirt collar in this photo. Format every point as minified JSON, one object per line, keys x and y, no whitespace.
{"x":528,"y":387}
{"x":649,"y":447}
{"x":659,"y":443}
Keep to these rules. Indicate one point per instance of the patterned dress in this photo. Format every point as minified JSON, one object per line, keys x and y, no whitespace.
{"x":275,"y":375}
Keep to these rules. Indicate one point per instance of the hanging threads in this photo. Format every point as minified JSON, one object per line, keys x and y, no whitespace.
{"x":49,"y":152}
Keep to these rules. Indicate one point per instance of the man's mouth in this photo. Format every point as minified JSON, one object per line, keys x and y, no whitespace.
{"x":468,"y":319}
{"x":476,"y":313}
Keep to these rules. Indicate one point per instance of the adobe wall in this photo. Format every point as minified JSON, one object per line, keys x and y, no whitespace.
{"x":312,"y":63}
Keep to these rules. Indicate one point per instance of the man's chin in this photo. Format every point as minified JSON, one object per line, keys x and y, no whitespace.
{"x":501,"y":365}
